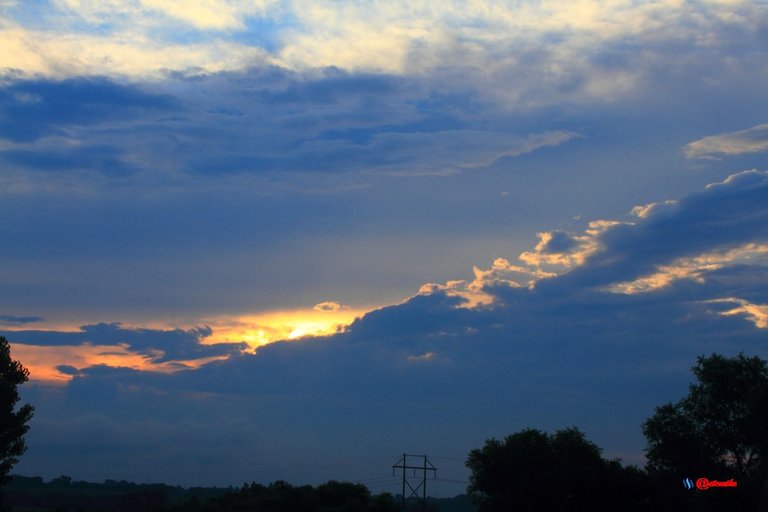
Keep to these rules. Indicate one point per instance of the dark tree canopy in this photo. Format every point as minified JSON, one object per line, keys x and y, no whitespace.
{"x":533,"y":470}
{"x":281,"y":496}
{"x":13,"y":423}
{"x":720,"y":427}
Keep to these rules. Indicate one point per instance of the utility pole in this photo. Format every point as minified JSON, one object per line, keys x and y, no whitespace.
{"x":408,"y":483}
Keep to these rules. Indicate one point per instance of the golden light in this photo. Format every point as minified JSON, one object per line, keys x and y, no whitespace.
{"x":43,"y":361}
{"x":255,"y":330}
{"x":271,"y":326}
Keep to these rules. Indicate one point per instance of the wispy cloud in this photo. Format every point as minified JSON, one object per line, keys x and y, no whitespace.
{"x":751,"y":140}
{"x":12,"y":320}
{"x":756,"y":313}
{"x":96,"y":131}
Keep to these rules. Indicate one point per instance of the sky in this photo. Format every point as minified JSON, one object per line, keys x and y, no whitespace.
{"x":252,"y":240}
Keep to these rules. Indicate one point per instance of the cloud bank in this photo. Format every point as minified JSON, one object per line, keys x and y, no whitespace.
{"x":585,"y":344}
{"x":174,"y":165}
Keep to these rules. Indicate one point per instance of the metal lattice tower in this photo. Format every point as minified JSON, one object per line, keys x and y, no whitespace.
{"x":421,"y":478}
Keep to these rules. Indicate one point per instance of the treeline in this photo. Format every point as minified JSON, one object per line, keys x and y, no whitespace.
{"x":281,"y":496}
{"x":707,"y":452}
{"x":532,"y":470}
{"x":33,"y":494}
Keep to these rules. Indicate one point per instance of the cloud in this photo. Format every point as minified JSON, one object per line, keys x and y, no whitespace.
{"x":57,"y":365}
{"x":558,"y":251}
{"x":418,"y":36}
{"x":52,"y":354}
{"x":234,"y":168}
{"x":564,"y":350}
{"x":329,"y":306}
{"x":12,"y":320}
{"x":643,"y":211}
{"x":211,"y":14}
{"x":101,"y":133}
{"x":526,"y":53}
{"x":104,"y":159}
{"x":200,"y":14}
{"x":156,"y":345}
{"x":725,"y":218}
{"x":114,"y":441}
{"x":423,"y":358}
{"x":756,"y":313}
{"x":751,"y":140}
{"x":419,"y":154}
{"x":126,"y":54}
{"x":695,"y":268}
{"x":34,"y":108}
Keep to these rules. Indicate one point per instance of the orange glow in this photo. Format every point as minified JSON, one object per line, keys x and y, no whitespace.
{"x":268,"y":327}
{"x":255,"y":330}
{"x":41,"y":361}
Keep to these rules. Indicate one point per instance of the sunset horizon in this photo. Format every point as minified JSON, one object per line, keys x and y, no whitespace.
{"x":262,"y":240}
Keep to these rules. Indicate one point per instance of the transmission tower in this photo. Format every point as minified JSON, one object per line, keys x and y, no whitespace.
{"x":420,"y":479}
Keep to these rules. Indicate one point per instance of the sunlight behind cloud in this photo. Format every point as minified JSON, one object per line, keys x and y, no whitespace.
{"x":264,"y":328}
{"x":58,"y":364}
{"x":693,"y":268}
{"x":558,"y":252}
{"x":755,"y":313}
{"x":44,"y":362}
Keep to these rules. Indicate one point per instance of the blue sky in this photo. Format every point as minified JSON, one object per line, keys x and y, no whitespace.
{"x":497,"y":214}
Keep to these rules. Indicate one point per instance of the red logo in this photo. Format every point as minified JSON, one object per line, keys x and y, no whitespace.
{"x":705,"y":483}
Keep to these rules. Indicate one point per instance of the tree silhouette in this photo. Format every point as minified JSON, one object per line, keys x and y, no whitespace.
{"x":722,"y":425}
{"x":280,"y":496}
{"x":533,"y":470}
{"x":719,"y":431}
{"x":13,"y":424}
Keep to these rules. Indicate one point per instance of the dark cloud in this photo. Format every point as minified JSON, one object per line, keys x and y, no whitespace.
{"x":159,"y":345}
{"x":330,"y":85}
{"x":263,"y":121}
{"x":67,"y":369}
{"x":33,"y":108}
{"x":723,"y":216}
{"x":435,"y":374}
{"x":19,"y":320}
{"x":559,"y":242}
{"x":204,"y":190}
{"x":105,"y":159}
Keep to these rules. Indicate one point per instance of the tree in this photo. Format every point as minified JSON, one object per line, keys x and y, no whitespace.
{"x":721,"y":426}
{"x":719,"y":431}
{"x":13,"y":423}
{"x":533,"y":470}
